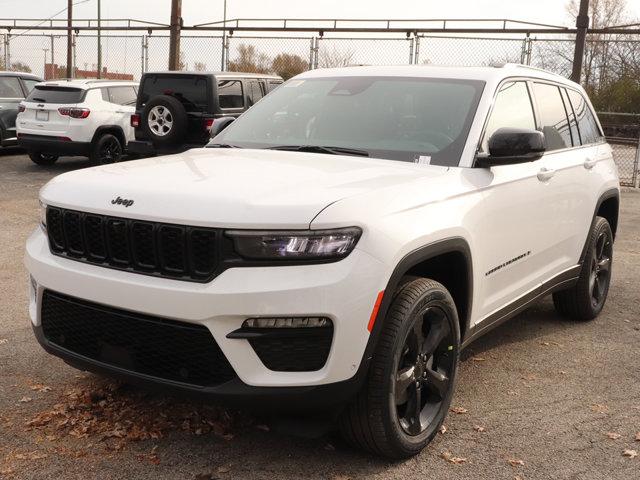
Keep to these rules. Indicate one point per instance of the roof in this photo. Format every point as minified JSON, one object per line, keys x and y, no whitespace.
{"x":488,"y":74}
{"x":20,"y":74}
{"x":86,"y":83}
{"x":217,"y":74}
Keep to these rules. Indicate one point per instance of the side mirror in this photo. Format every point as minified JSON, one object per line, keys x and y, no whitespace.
{"x":219,"y":124}
{"x":513,"y":145}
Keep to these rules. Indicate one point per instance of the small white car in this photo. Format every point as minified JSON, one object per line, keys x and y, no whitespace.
{"x":336,"y":246}
{"x":77,"y":117}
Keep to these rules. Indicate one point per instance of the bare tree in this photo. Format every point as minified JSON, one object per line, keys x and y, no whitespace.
{"x":250,"y":60}
{"x":199,"y":66}
{"x":335,"y":58}
{"x":287,"y":65}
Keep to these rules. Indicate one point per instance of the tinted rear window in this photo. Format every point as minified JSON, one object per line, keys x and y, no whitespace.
{"x":43,"y":94}
{"x":191,"y":90}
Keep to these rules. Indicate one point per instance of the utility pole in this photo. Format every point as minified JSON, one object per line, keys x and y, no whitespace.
{"x":224,"y":38}
{"x":174,"y":39}
{"x":582,"y":25}
{"x":53,"y":60}
{"x":45,"y":50}
{"x":99,"y":43}
{"x":69,"y":39}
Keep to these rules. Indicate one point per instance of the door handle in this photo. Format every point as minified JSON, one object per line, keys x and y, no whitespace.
{"x":545,"y":174}
{"x":589,"y":163}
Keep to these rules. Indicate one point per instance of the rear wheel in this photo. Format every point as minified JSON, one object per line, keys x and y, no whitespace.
{"x":107,"y":149}
{"x":412,"y":375}
{"x":42,"y":159}
{"x":586,"y":299}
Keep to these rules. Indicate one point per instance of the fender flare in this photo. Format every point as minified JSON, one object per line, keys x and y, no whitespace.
{"x":413,"y":258}
{"x":608,"y":194}
{"x":113,"y":129}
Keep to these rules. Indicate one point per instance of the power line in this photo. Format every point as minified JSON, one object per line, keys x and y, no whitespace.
{"x":50,"y":18}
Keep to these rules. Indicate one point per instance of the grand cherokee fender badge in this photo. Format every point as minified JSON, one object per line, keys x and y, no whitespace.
{"x":507,"y":263}
{"x":122,"y":201}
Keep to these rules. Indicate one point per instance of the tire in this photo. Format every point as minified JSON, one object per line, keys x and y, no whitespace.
{"x":380,"y":418}
{"x":585,"y":300}
{"x":42,"y":159}
{"x":106,"y":149}
{"x":164,"y":120}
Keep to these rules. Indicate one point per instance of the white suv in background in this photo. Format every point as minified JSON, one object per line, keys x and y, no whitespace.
{"x":336,"y":246}
{"x":77,"y":117}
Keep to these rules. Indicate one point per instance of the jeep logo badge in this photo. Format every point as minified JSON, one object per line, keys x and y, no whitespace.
{"x":122,"y":201}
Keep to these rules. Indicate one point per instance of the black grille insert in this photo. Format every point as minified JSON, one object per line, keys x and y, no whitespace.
{"x":160,"y":348}
{"x":152,"y":248}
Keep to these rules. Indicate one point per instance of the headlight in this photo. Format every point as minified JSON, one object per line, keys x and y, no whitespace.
{"x":43,"y":216}
{"x":295,"y":245}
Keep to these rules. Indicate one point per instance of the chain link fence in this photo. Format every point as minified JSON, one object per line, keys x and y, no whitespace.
{"x":611,"y":66}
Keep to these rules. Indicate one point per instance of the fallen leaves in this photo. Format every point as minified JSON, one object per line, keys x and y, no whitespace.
{"x":449,"y":457}
{"x":459,"y":410}
{"x":443,"y":429}
{"x":478,"y":359}
{"x":30,"y":456}
{"x":630,"y":453}
{"x":638,"y":437}
{"x":25,"y":399}
{"x":479,"y":428}
{"x":114,"y":416}
{"x":38,"y":387}
{"x":3,"y":341}
{"x":613,"y":435}
{"x":516,"y":462}
{"x":599,"y":408}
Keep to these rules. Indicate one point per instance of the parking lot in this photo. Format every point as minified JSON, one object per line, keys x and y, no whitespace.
{"x":537,"y":398}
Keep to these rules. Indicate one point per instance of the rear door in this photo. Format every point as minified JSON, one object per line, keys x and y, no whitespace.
{"x":231,"y":98}
{"x":120,"y":102}
{"x":11,"y":95}
{"x":42,"y":115}
{"x":255,"y":92}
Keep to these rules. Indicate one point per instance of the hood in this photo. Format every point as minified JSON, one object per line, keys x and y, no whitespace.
{"x":230,"y":188}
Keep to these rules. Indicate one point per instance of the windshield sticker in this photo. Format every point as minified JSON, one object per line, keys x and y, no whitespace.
{"x":423,"y":160}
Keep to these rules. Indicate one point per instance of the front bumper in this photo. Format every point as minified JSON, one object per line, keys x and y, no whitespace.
{"x":343,"y":291}
{"x":52,"y":145}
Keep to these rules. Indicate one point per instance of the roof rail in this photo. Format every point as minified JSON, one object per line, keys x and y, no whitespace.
{"x":529,"y":67}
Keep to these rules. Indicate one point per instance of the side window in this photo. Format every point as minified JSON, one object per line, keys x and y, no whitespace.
{"x":10,"y":88}
{"x":30,"y":83}
{"x":589,"y":130}
{"x":512,"y":108}
{"x":105,"y":94}
{"x":122,"y":95}
{"x":230,"y":94}
{"x":255,"y":92}
{"x":273,"y":84}
{"x":553,"y":117}
{"x":573,"y":123}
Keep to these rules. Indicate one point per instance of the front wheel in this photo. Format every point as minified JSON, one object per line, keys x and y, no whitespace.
{"x":585,"y":300}
{"x":42,"y":159}
{"x":411,"y":378}
{"x":106,"y":149}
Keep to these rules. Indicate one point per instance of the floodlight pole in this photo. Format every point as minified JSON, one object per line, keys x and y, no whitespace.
{"x":99,"y":73}
{"x":224,"y":38}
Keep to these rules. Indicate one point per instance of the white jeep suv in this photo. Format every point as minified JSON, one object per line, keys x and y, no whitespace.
{"x":336,"y":246}
{"x":77,"y":117}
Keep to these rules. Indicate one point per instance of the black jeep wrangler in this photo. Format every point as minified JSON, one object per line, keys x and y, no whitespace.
{"x":175,"y":111}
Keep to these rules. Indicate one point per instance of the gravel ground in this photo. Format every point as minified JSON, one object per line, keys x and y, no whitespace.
{"x":539,"y":397}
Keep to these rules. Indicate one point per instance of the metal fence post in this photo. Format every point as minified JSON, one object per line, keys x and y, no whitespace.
{"x":4,"y":53}
{"x":412,"y":41}
{"x":636,"y":166}
{"x":74,"y":64}
{"x":7,"y":51}
{"x":311,"y":45}
{"x":525,"y":55}
{"x":416,"y":51}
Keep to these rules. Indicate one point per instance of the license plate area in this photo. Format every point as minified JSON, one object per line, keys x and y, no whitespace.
{"x":42,"y":115}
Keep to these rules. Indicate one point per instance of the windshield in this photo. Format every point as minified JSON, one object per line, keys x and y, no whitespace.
{"x":423,"y":120}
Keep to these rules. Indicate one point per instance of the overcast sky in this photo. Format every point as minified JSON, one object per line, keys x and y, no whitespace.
{"x":200,"y":11}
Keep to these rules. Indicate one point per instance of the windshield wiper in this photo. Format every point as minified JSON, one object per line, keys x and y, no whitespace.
{"x":221,"y":145}
{"x":321,"y":149}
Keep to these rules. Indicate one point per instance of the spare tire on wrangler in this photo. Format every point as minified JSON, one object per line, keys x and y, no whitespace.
{"x":164,"y":120}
